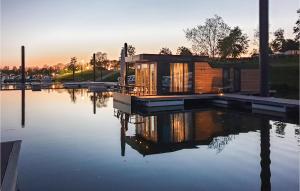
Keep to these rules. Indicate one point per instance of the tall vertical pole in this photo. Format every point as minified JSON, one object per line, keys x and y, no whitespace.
{"x":264,"y":46}
{"x":126,"y":67}
{"x":94,"y":67}
{"x":23,"y":64}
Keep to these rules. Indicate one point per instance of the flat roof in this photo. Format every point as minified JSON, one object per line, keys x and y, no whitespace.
{"x":248,"y":63}
{"x":165,"y":58}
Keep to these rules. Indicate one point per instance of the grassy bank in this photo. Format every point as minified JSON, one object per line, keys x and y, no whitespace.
{"x":284,"y":76}
{"x":86,"y":75}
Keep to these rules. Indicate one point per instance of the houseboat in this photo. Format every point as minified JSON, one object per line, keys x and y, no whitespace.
{"x":157,"y":74}
{"x":179,"y":80}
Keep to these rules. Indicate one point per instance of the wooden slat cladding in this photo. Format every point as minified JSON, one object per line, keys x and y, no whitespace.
{"x":207,"y":78}
{"x":250,"y":80}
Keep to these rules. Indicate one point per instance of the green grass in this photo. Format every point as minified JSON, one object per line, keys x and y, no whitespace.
{"x":86,"y":75}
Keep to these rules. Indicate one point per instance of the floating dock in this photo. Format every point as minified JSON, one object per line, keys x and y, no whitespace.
{"x":255,"y":103}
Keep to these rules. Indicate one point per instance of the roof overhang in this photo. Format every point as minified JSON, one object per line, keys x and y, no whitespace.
{"x":142,"y":58}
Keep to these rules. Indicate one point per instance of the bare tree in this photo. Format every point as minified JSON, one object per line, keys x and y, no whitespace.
{"x":205,"y":37}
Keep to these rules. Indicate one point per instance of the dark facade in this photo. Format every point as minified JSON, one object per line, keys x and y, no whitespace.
{"x":178,"y":74}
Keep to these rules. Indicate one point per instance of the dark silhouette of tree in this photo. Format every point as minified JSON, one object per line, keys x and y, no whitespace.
{"x":277,"y":43}
{"x":205,"y":37}
{"x":290,"y":44}
{"x":235,"y":44}
{"x":165,"y":51}
{"x":297,"y":27}
{"x":184,"y":51}
{"x":101,"y":61}
{"x":72,"y":66}
{"x":131,"y":50}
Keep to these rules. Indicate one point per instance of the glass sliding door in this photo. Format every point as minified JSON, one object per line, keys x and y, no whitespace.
{"x":146,"y":78}
{"x":180,"y":78}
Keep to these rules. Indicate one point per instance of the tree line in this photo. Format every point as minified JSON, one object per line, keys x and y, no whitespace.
{"x":215,"y":38}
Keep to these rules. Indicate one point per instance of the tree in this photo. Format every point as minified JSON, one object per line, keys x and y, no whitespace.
{"x":101,"y":61}
{"x":235,"y":44}
{"x":72,"y":66}
{"x":290,"y":44}
{"x":131,"y":50}
{"x":184,"y":51}
{"x":205,"y":37}
{"x":165,"y":51}
{"x":297,"y":27}
{"x":277,"y":43}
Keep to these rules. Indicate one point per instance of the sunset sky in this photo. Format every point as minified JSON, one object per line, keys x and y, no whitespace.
{"x":55,"y":30}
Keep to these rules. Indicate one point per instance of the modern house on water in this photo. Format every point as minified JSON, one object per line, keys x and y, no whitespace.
{"x":157,"y":74}
{"x":177,"y":80}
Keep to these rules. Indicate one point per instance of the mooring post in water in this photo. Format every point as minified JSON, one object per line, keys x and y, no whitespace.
{"x":264,"y":46}
{"x":126,"y":66}
{"x":94,"y":67}
{"x":23,"y":65}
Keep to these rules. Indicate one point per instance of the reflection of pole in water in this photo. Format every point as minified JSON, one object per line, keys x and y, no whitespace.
{"x":23,"y":106}
{"x":94,"y":102}
{"x":123,"y":135}
{"x":265,"y":161}
{"x":124,"y":118}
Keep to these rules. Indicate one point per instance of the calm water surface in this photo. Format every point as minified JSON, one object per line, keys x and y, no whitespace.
{"x":67,"y":144}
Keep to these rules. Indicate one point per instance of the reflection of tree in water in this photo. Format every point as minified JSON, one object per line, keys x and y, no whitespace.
{"x":73,"y":93}
{"x":101,"y":98}
{"x":297,"y":134}
{"x":280,"y":126}
{"x":219,"y":143}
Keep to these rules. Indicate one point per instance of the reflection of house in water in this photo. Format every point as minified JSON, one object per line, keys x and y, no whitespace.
{"x":168,"y":132}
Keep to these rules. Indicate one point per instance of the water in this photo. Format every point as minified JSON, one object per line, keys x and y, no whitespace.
{"x":67,"y":144}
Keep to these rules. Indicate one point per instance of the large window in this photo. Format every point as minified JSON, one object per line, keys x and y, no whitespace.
{"x":145,"y":77}
{"x":180,"y":78}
